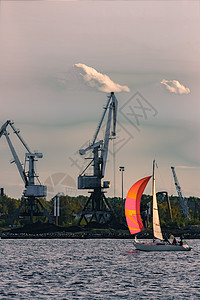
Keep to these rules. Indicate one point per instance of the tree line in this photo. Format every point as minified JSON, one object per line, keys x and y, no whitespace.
{"x":71,"y":207}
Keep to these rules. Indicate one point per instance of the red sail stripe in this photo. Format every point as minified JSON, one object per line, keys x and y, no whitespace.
{"x":132,"y":205}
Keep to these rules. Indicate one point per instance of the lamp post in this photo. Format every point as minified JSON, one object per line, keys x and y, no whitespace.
{"x":122,"y":170}
{"x":57,"y":207}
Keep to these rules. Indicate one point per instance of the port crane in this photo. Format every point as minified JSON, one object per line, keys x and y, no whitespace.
{"x":183,"y":201}
{"x":97,"y":208}
{"x":145,"y":205}
{"x":32,"y":191}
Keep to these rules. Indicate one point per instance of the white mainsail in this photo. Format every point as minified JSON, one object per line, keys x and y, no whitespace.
{"x":156,"y":222}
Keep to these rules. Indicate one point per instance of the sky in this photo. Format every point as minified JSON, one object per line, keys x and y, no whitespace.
{"x":58,"y":60}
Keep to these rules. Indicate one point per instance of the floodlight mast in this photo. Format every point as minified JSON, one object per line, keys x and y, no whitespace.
{"x":32,"y":191}
{"x":101,"y":209}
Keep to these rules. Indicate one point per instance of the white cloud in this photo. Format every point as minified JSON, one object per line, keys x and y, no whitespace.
{"x":174,"y":86}
{"x":100,"y":81}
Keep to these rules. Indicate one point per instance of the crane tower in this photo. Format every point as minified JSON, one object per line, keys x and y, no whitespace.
{"x":97,"y":207}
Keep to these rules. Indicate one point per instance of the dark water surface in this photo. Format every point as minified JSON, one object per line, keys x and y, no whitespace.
{"x":96,"y":269}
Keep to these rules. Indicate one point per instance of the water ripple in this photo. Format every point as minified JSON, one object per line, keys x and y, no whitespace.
{"x":95,"y":269}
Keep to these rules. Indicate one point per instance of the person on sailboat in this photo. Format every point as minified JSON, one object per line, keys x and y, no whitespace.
{"x":166,"y":241}
{"x":174,"y":241}
{"x":181,"y":240}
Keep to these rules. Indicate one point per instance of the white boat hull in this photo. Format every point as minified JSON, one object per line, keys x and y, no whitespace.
{"x":153,"y":246}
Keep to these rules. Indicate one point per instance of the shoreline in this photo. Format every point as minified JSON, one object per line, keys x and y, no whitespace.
{"x":95,"y":234}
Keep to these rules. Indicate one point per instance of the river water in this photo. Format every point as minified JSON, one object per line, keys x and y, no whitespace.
{"x":96,"y":269}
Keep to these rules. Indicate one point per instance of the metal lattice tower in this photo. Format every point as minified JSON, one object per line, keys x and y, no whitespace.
{"x":183,"y":201}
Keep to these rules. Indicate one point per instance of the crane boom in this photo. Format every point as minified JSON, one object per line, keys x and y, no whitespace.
{"x":4,"y":131}
{"x":111,"y":115}
{"x":102,"y":118}
{"x":115,"y":106}
{"x":183,"y":201}
{"x":19,"y":136}
{"x":16,"y":159}
{"x":104,"y":152}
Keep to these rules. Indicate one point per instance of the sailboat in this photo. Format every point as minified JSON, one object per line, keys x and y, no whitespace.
{"x":134,"y":221}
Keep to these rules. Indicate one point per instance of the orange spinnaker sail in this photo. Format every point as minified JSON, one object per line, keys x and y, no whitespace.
{"x":132,"y":205}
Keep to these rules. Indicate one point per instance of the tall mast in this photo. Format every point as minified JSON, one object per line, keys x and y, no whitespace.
{"x":156,"y":221}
